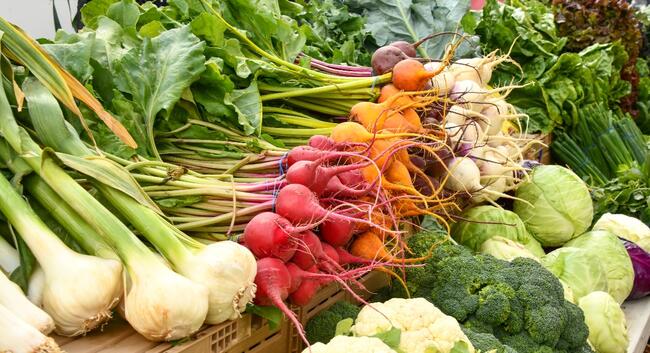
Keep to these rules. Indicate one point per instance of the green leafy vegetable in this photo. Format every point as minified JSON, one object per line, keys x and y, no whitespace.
{"x":156,"y":74}
{"x":412,"y":20}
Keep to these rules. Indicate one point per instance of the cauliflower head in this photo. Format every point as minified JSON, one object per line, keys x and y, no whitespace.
{"x":423,"y":327}
{"x":340,"y":344}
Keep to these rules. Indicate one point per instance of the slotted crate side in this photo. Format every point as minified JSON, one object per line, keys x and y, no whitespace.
{"x":118,"y":336}
{"x":248,"y":334}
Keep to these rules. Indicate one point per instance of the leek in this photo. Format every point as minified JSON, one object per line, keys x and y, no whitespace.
{"x":19,"y":337}
{"x":80,"y":290}
{"x":13,"y":298}
{"x":9,"y":260}
{"x":161,"y":305}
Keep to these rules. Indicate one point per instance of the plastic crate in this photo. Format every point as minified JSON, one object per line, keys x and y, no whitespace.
{"x":244,"y":335}
{"x":248,"y":334}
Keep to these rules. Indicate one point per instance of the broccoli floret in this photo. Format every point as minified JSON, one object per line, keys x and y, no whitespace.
{"x":322,"y":327}
{"x":486,"y":342}
{"x":523,"y":343}
{"x":520,"y":302}
{"x":575,"y":332}
{"x":457,"y":281}
{"x":494,"y":303}
{"x":542,"y":324}
{"x":478,"y":326}
{"x":423,"y":242}
{"x":515,"y":322}
{"x":454,"y":299}
{"x":420,"y":280}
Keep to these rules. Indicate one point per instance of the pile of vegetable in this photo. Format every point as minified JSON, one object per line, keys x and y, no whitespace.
{"x":233,"y":154}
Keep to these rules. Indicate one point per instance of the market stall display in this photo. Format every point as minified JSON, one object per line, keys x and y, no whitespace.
{"x":240,"y":177}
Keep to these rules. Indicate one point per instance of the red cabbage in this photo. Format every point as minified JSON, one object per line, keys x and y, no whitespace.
{"x":641,"y":263}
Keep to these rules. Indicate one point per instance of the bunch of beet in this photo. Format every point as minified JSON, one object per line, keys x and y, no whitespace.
{"x":301,"y":246}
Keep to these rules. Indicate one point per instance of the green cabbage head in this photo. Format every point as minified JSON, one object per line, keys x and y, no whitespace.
{"x":558,"y":206}
{"x":612,"y":255}
{"x":484,"y":222}
{"x":505,"y":249}
{"x":578,"y":269}
{"x":606,"y":322}
{"x":626,"y":227}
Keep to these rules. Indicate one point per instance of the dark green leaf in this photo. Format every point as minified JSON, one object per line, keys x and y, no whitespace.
{"x":21,"y":275}
{"x":272,"y":314}
{"x":248,"y":106}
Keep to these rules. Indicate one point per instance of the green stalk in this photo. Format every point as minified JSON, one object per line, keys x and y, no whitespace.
{"x":82,"y":232}
{"x":316,"y":107}
{"x":300,"y":121}
{"x":280,"y":131}
{"x":359,"y":83}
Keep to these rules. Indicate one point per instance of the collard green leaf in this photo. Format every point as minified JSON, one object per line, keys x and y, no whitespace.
{"x":21,"y":275}
{"x":157,"y":73}
{"x":412,"y":20}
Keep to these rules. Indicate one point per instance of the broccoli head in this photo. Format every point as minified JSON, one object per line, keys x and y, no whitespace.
{"x":322,"y":327}
{"x":519,"y":302}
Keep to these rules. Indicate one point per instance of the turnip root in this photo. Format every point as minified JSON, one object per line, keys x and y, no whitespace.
{"x":465,"y":176}
{"x":478,"y":70}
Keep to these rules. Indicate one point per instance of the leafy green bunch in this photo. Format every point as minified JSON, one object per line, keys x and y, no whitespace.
{"x":558,"y":82}
{"x":587,"y":22}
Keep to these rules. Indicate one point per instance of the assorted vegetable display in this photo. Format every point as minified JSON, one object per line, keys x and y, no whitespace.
{"x":182,"y":164}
